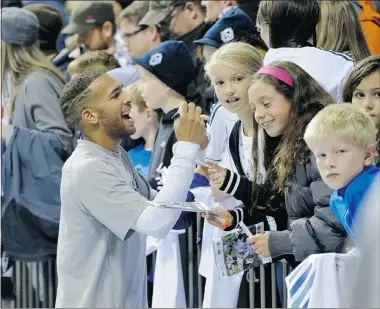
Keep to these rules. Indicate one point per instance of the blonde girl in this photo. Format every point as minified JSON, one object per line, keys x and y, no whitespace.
{"x":230,"y":71}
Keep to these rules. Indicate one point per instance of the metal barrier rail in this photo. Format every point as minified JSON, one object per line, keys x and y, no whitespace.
{"x":36,"y":282}
{"x":35,"y":285}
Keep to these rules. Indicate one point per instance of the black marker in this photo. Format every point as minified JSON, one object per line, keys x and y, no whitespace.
{"x":175,"y":116}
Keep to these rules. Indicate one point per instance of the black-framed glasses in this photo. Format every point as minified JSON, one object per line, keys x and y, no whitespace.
{"x":127,"y":36}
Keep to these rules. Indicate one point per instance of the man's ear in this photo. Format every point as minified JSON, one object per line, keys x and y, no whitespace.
{"x":90,"y":116}
{"x":153,"y":33}
{"x":369,"y":155}
{"x":191,"y":7}
{"x":107,"y":29}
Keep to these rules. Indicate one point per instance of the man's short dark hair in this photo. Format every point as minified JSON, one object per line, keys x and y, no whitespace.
{"x":75,"y":97}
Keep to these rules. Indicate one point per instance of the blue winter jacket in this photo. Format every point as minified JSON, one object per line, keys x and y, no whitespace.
{"x":346,"y":201}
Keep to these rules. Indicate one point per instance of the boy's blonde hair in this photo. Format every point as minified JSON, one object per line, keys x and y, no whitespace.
{"x":343,"y":119}
{"x":91,"y":60}
{"x":134,"y":91}
{"x":236,"y":54}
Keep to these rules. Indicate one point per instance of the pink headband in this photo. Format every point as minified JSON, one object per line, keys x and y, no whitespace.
{"x":278,"y":73}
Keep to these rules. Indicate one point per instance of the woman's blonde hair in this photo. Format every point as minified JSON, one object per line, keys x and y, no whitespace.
{"x":339,"y":29}
{"x":23,"y":60}
{"x":236,"y":54}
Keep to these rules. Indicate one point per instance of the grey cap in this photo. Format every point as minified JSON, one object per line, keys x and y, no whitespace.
{"x":158,"y":11}
{"x":19,"y":26}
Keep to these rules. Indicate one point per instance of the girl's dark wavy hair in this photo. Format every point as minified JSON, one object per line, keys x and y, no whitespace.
{"x":306,"y":98}
{"x":291,"y":22}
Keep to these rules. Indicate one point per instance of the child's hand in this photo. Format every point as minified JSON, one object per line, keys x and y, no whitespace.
{"x":217,"y":174}
{"x":260,"y":243}
{"x":217,"y":216}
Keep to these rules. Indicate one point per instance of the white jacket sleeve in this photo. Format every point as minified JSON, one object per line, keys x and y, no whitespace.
{"x":158,"y":222}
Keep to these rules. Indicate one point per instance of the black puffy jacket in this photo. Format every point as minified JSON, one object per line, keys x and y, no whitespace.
{"x":311,"y":225}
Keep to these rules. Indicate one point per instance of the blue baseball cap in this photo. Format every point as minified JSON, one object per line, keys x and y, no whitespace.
{"x":234,"y":25}
{"x":171,"y":63}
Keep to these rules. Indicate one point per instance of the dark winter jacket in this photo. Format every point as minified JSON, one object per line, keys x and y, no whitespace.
{"x":31,"y":205}
{"x":312,"y":227}
{"x":163,"y":147}
{"x":196,"y":90}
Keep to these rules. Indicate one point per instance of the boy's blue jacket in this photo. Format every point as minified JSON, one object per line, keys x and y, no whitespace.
{"x":345,"y":202}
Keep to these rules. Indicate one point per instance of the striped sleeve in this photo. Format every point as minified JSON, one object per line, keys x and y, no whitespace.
{"x":240,"y":187}
{"x":238,"y":215}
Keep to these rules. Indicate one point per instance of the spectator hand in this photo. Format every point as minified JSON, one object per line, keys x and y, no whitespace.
{"x":217,"y":174}
{"x":190,"y":126}
{"x":260,"y":243}
{"x":216,"y":216}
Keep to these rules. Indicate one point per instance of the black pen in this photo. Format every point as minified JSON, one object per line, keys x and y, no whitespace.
{"x":175,"y":116}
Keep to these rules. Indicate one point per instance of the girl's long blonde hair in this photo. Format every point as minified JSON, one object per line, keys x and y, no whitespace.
{"x":22,"y":60}
{"x":339,"y":29}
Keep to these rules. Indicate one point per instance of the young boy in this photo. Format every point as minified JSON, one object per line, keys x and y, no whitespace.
{"x":146,"y":122}
{"x":166,"y":71}
{"x":343,"y":139}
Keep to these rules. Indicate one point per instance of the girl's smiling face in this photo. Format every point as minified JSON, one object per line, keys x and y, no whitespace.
{"x":271,"y":109}
{"x":367,"y":95}
{"x":231,"y":86}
